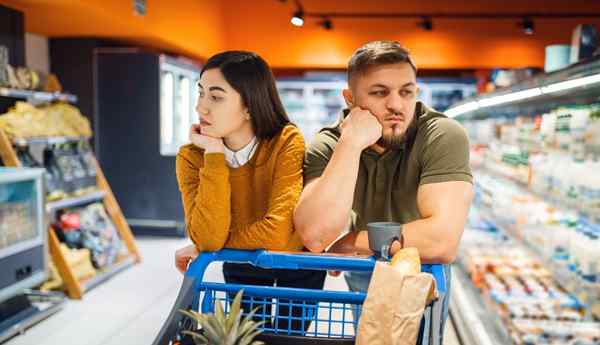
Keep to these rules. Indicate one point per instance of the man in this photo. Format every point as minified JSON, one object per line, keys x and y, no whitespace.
{"x":389,"y":158}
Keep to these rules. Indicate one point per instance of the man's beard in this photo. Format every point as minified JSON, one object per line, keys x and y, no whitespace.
{"x":392,"y":141}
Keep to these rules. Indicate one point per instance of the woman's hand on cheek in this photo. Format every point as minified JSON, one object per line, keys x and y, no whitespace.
{"x":208,"y":143}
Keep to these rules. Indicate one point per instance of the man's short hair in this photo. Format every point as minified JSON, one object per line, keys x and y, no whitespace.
{"x":377,"y":53}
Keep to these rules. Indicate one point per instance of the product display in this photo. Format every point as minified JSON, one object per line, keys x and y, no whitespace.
{"x":25,"y":121}
{"x":519,"y":287}
{"x":17,"y":224}
{"x":70,"y":167}
{"x":90,"y":227}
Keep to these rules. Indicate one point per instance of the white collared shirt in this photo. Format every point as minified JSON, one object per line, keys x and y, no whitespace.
{"x":236,"y":159}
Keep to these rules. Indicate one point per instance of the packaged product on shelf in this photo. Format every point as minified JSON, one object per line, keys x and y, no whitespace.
{"x":592,"y":132}
{"x":79,"y":260}
{"x":90,"y":227}
{"x":16,"y":224}
{"x":68,"y":230}
{"x":522,"y":291}
{"x":86,"y":156}
{"x":99,"y":235}
{"x":54,"y":178}
{"x":25,"y":121}
{"x":25,"y":157}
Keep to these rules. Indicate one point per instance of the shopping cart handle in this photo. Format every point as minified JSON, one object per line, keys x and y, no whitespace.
{"x":302,"y":260}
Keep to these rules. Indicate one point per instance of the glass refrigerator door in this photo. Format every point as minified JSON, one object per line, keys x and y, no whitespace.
{"x":18,"y":215}
{"x":312,"y":105}
{"x":178,"y":102}
{"x":293,"y":97}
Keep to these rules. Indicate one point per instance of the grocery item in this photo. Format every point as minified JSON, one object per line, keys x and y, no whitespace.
{"x":25,"y":121}
{"x":407,"y":261}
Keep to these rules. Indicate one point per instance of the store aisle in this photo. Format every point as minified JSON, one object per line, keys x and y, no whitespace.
{"x":131,"y":307}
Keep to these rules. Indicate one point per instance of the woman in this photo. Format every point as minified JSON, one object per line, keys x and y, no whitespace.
{"x":241,"y":176}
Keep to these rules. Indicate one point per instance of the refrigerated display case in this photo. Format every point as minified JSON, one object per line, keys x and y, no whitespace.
{"x":312,"y":105}
{"x":23,"y":252}
{"x":531,"y":250}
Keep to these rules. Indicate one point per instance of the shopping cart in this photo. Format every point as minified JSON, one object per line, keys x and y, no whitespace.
{"x":333,"y":315}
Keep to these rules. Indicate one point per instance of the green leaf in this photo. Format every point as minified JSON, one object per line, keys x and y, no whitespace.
{"x":219,"y":314}
{"x":235,"y":310}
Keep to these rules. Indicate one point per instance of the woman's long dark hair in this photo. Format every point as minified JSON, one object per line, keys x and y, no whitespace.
{"x":252,"y":78}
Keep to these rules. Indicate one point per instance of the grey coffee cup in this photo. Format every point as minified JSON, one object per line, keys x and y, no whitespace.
{"x":381,"y":237}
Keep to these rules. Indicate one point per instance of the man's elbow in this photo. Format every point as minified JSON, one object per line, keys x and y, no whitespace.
{"x":310,"y":238}
{"x":444,"y":254}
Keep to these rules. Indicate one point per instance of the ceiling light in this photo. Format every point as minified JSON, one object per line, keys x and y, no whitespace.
{"x":298,"y":18}
{"x":510,"y":97}
{"x":569,"y":84}
{"x":528,"y":26}
{"x":426,"y":24}
{"x":326,"y":24}
{"x":461,"y":109}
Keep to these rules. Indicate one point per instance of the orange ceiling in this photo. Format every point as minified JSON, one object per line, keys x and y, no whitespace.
{"x":199,"y":28}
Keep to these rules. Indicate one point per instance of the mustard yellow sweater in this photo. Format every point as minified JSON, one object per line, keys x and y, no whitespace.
{"x":249,"y":207}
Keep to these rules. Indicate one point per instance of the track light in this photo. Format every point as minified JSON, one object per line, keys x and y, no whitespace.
{"x":326,"y":24}
{"x":298,"y":18}
{"x":528,"y":26}
{"x":426,"y":24}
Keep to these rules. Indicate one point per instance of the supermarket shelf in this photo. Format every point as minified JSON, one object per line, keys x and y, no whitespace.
{"x":106,"y":274}
{"x":38,"y":95}
{"x":52,"y":207}
{"x":547,"y":197}
{"x":586,"y":292}
{"x":548,"y":97}
{"x":474,"y":322}
{"x":47,"y":140}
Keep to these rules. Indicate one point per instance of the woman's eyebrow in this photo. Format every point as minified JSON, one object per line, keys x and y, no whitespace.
{"x":216,"y":88}
{"x":212,"y":88}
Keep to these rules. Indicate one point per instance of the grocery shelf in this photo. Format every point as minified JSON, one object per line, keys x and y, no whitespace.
{"x":105,"y":274}
{"x":47,"y":140}
{"x":54,"y":206}
{"x":474,"y":322}
{"x":586,"y":292}
{"x":38,"y":95}
{"x":547,"y":197}
{"x":578,"y":83}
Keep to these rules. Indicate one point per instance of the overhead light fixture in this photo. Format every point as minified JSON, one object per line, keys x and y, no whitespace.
{"x":521,"y":95}
{"x":510,"y":97}
{"x":528,"y":26}
{"x":298,"y":18}
{"x":326,"y":24}
{"x":569,"y":84}
{"x":461,"y":109}
{"x":426,"y":24}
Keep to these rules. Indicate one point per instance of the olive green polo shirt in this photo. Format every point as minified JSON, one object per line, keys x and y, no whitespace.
{"x":436,"y":149}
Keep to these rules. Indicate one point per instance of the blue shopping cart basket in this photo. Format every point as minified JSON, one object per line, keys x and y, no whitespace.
{"x":332,"y":315}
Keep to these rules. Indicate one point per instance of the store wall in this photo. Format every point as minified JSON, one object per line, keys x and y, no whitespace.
{"x":452,"y":43}
{"x":189,"y":27}
{"x":198,"y":29}
{"x":12,"y":34}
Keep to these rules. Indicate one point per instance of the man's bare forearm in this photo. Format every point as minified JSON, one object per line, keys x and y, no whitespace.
{"x":325,"y":204}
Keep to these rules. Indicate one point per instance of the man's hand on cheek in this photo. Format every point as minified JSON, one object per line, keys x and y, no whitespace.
{"x":361,"y":128}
